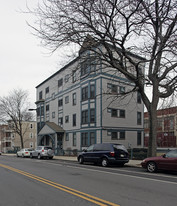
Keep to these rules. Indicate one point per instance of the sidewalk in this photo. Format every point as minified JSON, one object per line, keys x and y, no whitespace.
{"x":131,"y":163}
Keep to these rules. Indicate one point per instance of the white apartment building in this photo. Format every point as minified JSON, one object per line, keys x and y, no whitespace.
{"x":82,"y":104}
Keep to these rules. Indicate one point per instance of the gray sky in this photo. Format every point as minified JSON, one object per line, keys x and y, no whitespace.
{"x":24,"y":63}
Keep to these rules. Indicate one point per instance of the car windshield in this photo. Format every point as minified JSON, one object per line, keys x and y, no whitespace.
{"x":172,"y":153}
{"x":30,"y":149}
{"x":46,"y":148}
{"x":120,"y":147}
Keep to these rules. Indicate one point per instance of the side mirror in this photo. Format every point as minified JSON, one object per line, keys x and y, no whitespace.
{"x":85,"y":150}
{"x":164,"y":155}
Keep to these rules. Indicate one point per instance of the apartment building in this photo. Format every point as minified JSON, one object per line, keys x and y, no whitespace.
{"x":166,"y":128}
{"x":83,"y":103}
{"x":10,"y":140}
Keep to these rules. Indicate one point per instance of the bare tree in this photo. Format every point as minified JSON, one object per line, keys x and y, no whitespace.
{"x":14,"y":109}
{"x":144,"y":27}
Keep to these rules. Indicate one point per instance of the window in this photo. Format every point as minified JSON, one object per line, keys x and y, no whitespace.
{"x":121,"y":90}
{"x":146,"y":123}
{"x":92,"y":91}
{"x":40,"y":95}
{"x":138,"y":97}
{"x":114,"y":135}
{"x":74,"y":139}
{"x":60,"y":82}
{"x":67,"y":137}
{"x":159,"y":123}
{"x":74,"y":98}
{"x":84,"y":68}
{"x":138,"y":138}
{"x":84,"y":93}
{"x":66,"y":78}
{"x":47,"y":107}
{"x":92,"y":115}
{"x":85,"y":117}
{"x":53,"y":96}
{"x":122,"y":113}
{"x":60,"y":102}
{"x":53,"y":115}
{"x":139,"y":118}
{"x":112,"y":87}
{"x":47,"y":90}
{"x":122,"y":135}
{"x":114,"y":112}
{"x":31,"y":135}
{"x":84,"y":139}
{"x":92,"y":138}
{"x":74,"y":76}
{"x":169,"y":123}
{"x":67,"y":119}
{"x":31,"y":144}
{"x":66,"y":99}
{"x":38,"y":111}
{"x":60,"y":120}
{"x":31,"y":126}
{"x":74,"y":120}
{"x":42,"y":110}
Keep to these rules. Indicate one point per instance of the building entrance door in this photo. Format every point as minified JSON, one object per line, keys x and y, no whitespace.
{"x":60,"y":144}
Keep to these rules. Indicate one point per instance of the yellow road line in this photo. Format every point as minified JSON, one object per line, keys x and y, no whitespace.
{"x":90,"y":198}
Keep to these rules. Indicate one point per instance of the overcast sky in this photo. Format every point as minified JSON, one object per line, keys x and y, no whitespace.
{"x":24,"y":63}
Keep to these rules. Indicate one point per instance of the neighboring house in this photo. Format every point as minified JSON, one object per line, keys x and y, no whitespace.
{"x":75,"y":107}
{"x":10,"y":141}
{"x":166,"y":128}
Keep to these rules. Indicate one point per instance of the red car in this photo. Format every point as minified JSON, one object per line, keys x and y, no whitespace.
{"x":165,"y":162}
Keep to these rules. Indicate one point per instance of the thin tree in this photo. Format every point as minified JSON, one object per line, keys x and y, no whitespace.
{"x":143,"y":27}
{"x":14,"y":109}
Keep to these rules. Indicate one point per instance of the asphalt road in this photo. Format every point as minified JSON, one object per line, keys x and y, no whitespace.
{"x":32,"y":182}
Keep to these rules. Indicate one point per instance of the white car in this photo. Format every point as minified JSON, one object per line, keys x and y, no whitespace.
{"x":24,"y":152}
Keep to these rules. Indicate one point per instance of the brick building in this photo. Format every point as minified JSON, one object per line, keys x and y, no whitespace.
{"x":166,"y":127}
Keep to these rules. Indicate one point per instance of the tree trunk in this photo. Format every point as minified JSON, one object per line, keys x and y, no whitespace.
{"x":21,"y":139}
{"x":152,"y":132}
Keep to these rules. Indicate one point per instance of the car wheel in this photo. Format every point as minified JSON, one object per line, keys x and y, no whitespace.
{"x":81,"y":160}
{"x":39,"y":156}
{"x":31,"y":156}
{"x":17,"y":155}
{"x":23,"y":155}
{"x":104,"y":162}
{"x":151,"y":167}
{"x":50,"y":158}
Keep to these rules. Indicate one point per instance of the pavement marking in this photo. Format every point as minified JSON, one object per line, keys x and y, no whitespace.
{"x":90,"y":198}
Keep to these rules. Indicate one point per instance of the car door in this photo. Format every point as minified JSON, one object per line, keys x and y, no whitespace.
{"x":88,"y":154}
{"x":97,"y":152}
{"x":36,"y":151}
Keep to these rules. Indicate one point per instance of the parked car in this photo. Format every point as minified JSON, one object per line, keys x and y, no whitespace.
{"x":167,"y":161}
{"x":105,"y":154}
{"x":0,"y":152}
{"x":42,"y":152}
{"x":24,"y":152}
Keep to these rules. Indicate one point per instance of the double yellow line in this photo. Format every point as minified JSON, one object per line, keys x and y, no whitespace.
{"x":85,"y":196}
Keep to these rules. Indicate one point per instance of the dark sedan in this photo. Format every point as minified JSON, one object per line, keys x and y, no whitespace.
{"x":165,"y":162}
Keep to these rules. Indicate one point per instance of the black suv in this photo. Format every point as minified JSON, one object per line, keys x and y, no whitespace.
{"x":105,"y":153}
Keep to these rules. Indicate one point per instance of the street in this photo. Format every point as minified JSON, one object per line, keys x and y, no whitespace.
{"x":65,"y":183}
